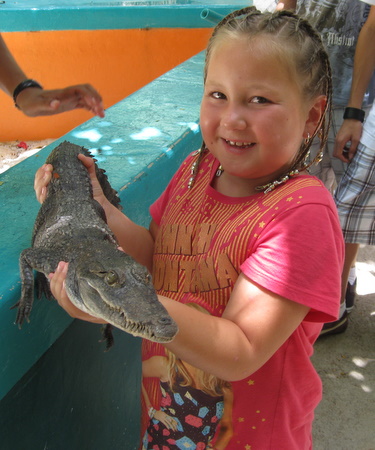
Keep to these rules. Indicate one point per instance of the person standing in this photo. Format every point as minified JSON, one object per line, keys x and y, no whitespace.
{"x":355,"y":194}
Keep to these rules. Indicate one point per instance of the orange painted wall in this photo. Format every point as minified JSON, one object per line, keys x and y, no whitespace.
{"x":115,"y":62}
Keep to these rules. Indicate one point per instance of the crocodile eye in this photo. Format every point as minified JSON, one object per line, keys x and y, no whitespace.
{"x":111,"y":278}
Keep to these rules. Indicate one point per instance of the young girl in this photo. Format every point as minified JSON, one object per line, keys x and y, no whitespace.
{"x":239,"y":229}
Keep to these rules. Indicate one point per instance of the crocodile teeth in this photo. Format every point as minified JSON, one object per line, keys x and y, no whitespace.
{"x":137,"y":329}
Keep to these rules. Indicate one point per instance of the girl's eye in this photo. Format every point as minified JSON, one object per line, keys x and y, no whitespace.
{"x":259,"y":100}
{"x":218,"y":95}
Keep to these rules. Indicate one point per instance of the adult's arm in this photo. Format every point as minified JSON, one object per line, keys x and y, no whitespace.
{"x":364,"y":66}
{"x":34,"y":101}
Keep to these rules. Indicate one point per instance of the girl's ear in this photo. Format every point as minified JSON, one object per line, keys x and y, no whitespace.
{"x":314,"y":115}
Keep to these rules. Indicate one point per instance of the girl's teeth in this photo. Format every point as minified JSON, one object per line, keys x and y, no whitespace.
{"x":239,"y":144}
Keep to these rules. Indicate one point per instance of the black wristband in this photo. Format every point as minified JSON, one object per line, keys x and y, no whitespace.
{"x":22,"y":86}
{"x":355,"y":114}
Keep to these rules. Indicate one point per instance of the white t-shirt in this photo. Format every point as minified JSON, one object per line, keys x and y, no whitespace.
{"x":368,"y":133}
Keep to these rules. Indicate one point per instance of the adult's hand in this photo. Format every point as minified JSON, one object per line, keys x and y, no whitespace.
{"x":347,"y":140}
{"x":40,"y":102}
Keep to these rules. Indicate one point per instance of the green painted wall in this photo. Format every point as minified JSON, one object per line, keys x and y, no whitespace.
{"x":58,"y":388}
{"x":76,"y":396}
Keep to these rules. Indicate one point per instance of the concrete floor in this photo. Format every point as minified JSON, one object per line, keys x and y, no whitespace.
{"x":345,"y":419}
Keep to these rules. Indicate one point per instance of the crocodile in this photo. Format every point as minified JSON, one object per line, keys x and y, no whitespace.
{"x":102,"y":280}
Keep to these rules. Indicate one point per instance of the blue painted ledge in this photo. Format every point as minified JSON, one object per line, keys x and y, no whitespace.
{"x":140,"y":143}
{"x":37,"y":15}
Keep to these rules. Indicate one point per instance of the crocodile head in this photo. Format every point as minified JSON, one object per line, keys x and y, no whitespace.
{"x":119,"y":290}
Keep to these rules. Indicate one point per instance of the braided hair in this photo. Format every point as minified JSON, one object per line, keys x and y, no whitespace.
{"x":294,"y":37}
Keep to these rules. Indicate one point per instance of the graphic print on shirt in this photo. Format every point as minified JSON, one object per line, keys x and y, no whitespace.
{"x":199,"y":275}
{"x":192,"y":408}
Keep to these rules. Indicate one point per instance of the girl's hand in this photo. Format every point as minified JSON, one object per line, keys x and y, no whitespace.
{"x":167,"y":420}
{"x":57,"y":286}
{"x":42,"y":178}
{"x":97,"y":190}
{"x":44,"y":174}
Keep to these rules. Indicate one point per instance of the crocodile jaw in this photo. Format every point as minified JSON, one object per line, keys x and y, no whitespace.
{"x":148,"y":320}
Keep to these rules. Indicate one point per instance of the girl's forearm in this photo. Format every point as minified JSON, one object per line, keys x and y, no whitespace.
{"x":234,"y":346}
{"x":134,"y":239}
{"x":213,"y":344}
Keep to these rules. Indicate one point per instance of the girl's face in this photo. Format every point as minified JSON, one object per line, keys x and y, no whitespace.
{"x":253,"y":114}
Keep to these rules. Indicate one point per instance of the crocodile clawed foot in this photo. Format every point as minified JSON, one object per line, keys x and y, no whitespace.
{"x":20,"y":319}
{"x":107,"y":336}
{"x":16,"y":305}
{"x":21,"y":315}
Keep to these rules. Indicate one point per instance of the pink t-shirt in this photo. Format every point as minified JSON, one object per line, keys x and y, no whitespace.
{"x":290,"y":242}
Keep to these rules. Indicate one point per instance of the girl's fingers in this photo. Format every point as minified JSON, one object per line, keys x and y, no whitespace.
{"x":57,"y":282}
{"x":42,"y":179}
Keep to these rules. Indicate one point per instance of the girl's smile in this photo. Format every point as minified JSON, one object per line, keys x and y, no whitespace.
{"x":238,"y":145}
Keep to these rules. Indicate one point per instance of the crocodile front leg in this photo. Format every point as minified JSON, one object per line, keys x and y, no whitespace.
{"x":42,"y":260}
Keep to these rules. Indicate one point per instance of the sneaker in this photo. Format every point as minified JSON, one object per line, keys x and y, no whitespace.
{"x":350,"y":296}
{"x":336,"y":327}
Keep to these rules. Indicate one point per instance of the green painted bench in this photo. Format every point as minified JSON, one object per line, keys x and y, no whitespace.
{"x":58,"y":387}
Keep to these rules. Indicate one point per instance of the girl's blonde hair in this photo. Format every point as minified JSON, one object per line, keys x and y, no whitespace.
{"x":180,"y":376}
{"x":295,"y":39}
